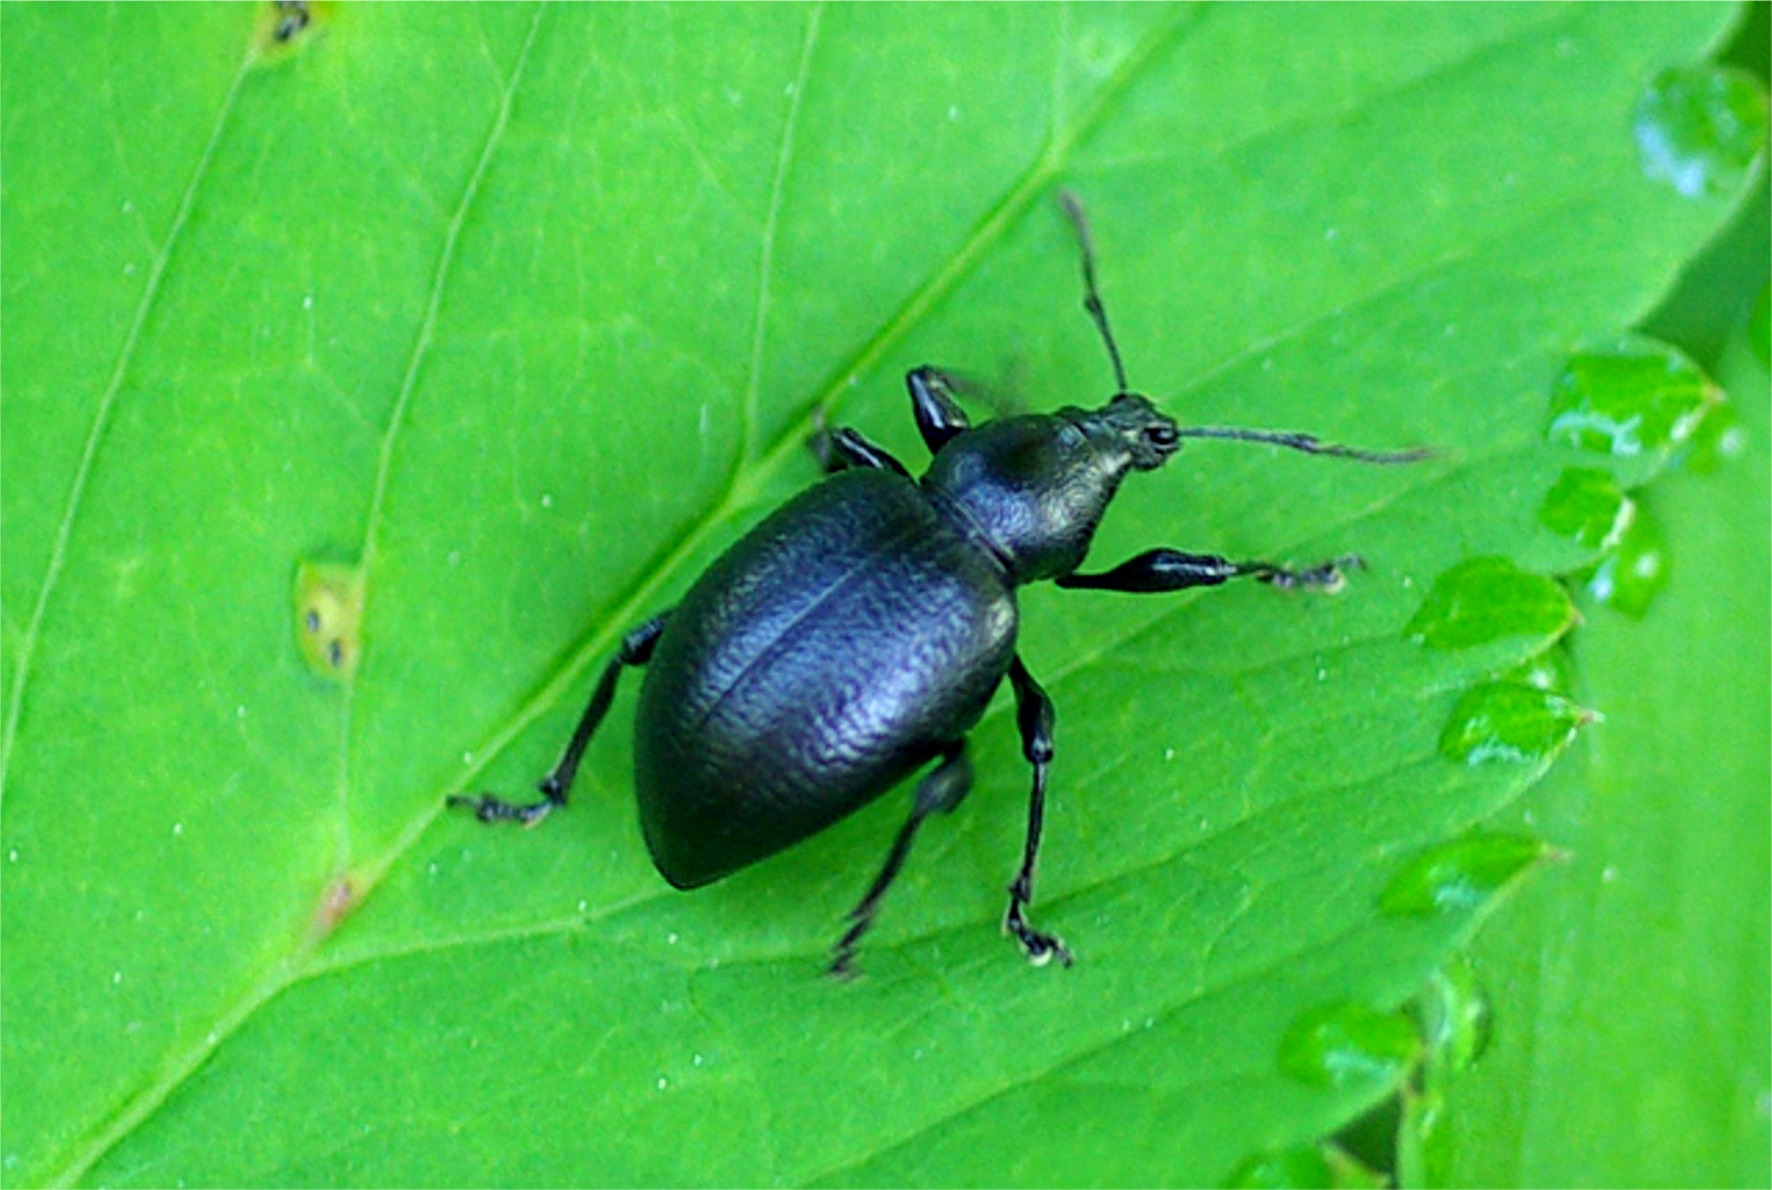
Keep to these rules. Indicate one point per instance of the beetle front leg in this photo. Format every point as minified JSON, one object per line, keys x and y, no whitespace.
{"x":1171,"y":570}
{"x":1035,"y":716}
{"x":636,"y":650}
{"x":944,"y":788}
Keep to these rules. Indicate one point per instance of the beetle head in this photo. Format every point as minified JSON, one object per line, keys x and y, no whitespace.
{"x":1035,"y":487}
{"x":1130,"y":425}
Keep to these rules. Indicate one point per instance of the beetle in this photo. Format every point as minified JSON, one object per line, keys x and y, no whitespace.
{"x":857,"y":634}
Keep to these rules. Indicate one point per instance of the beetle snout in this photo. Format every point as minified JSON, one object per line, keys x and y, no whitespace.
{"x":1150,"y":435}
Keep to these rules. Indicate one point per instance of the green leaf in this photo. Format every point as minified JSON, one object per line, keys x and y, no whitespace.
{"x":488,"y":328}
{"x":1630,"y":987}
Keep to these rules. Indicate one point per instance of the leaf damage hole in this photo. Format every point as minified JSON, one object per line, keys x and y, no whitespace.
{"x":329,"y":618}
{"x":288,"y":25}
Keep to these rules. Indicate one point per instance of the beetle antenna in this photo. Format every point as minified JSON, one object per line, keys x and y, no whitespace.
{"x":1073,"y":209}
{"x":1308,"y":444}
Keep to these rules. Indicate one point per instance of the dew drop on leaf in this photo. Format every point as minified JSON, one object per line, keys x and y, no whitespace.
{"x":1303,"y":1168}
{"x":1455,"y":1016}
{"x":1488,"y":599}
{"x":1627,"y":398}
{"x":1459,"y":876}
{"x":1587,"y":506}
{"x":1507,"y":721}
{"x":1550,"y":670}
{"x":1631,"y":576}
{"x":1699,"y":128}
{"x":1348,"y":1046}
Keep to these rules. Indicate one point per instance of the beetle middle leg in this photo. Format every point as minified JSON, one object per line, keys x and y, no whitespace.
{"x":944,"y":788}
{"x":636,"y":650}
{"x":843,"y":448}
{"x":1034,"y":715}
{"x":1171,"y":570}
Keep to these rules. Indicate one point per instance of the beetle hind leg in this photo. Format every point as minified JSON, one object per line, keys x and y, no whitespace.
{"x":636,"y":650}
{"x":1035,"y":716}
{"x":944,"y":788}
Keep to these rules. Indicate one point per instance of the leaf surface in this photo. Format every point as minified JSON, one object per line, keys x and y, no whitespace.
{"x":503,"y":321}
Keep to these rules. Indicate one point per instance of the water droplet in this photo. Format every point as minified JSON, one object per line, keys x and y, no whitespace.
{"x":1551,"y":670}
{"x":329,"y":615}
{"x":12,"y":856}
{"x":1169,"y":754}
{"x":671,"y":939}
{"x":663,"y":1082}
{"x":583,"y":905}
{"x":1699,"y":128}
{"x":1329,"y":233}
{"x":1301,"y":1168}
{"x":1632,"y":396}
{"x":1489,"y":599}
{"x":467,"y":758}
{"x":128,"y":207}
{"x":1455,"y":1016}
{"x":178,"y":828}
{"x":1503,"y":721}
{"x":1608,"y":874}
{"x":1459,"y":876}
{"x":116,"y":978}
{"x":1631,"y":576}
{"x":1587,"y":506}
{"x":953,"y":114}
{"x":307,"y":301}
{"x":1718,"y":439}
{"x":1348,"y":1046}
{"x":547,"y":500}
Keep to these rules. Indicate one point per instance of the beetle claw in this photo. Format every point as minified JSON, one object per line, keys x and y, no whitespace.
{"x":491,"y":808}
{"x":1328,"y":577}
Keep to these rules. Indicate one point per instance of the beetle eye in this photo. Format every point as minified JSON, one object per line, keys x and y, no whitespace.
{"x":1163,"y":437}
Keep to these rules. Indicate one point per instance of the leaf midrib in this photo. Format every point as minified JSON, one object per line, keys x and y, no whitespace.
{"x":746,"y":482}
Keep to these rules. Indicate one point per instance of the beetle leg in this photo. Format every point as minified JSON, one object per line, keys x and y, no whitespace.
{"x":939,"y":416}
{"x":636,"y":649}
{"x":1034,"y":715}
{"x":943,"y":789}
{"x":843,"y":448}
{"x":1172,"y":570}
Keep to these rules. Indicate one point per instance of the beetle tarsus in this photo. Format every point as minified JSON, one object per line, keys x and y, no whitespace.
{"x":1040,"y":947}
{"x":489,"y":807}
{"x":1328,"y":576}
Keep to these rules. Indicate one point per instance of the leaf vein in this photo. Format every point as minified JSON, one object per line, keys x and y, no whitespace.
{"x":101,"y":421}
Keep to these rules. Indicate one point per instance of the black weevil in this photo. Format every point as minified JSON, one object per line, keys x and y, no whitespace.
{"x":859,"y":632}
